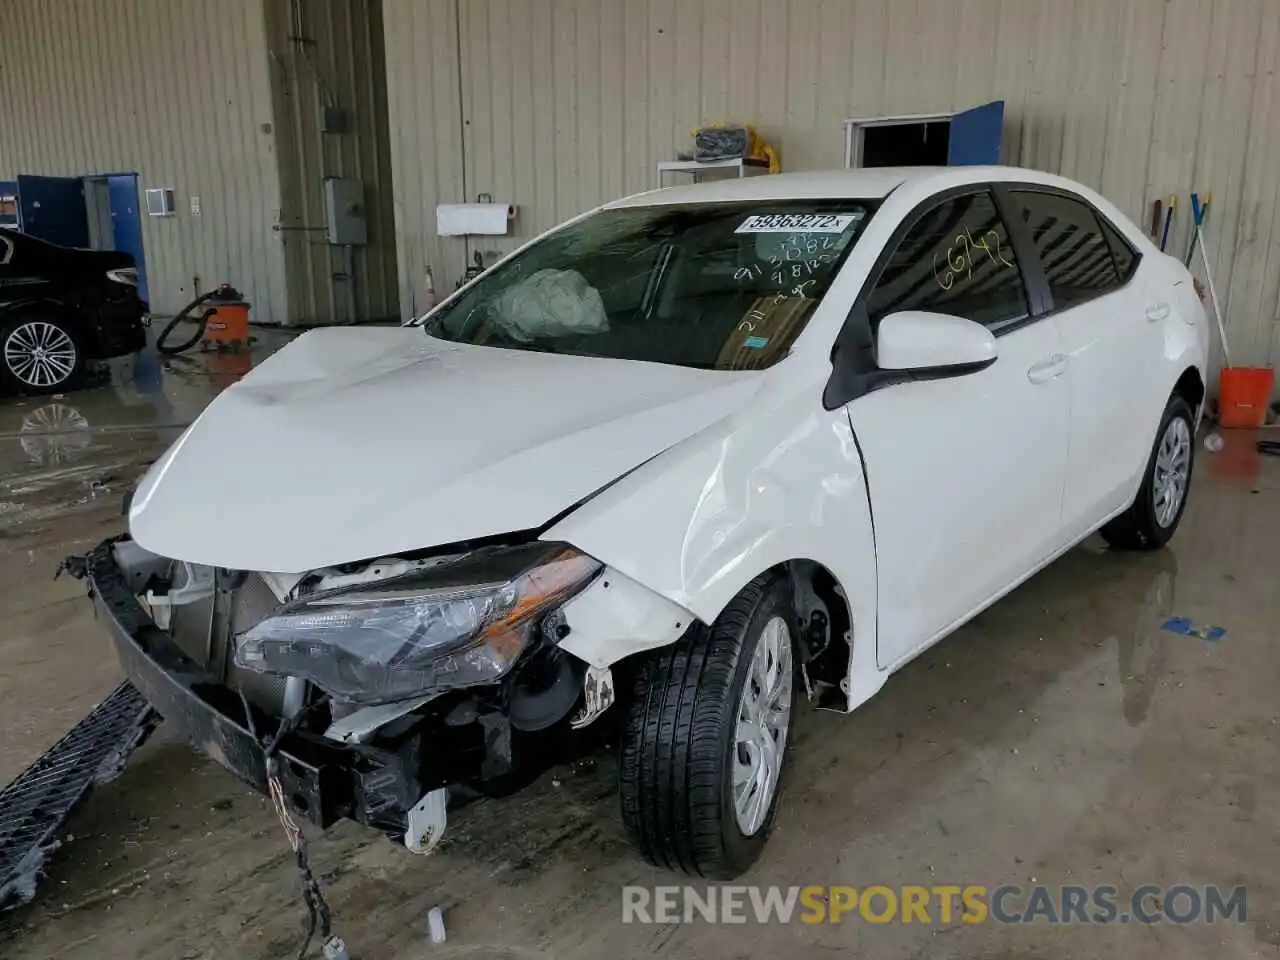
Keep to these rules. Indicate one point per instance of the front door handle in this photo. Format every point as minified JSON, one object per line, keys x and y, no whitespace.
{"x":1050,"y":368}
{"x":1158,"y":311}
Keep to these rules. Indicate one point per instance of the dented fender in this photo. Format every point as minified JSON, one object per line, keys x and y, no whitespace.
{"x":617,"y":616}
{"x":698,"y":523}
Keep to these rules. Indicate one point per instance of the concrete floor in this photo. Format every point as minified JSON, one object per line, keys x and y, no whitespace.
{"x":1063,"y":736}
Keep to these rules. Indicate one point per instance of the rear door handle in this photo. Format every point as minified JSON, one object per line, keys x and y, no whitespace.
{"x":1158,"y":311}
{"x":1050,"y":368}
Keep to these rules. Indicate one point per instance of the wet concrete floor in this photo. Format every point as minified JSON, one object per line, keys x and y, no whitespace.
{"x":1064,"y":737}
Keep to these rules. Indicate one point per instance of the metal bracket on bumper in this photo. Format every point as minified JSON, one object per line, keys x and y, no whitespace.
{"x":427,"y":821}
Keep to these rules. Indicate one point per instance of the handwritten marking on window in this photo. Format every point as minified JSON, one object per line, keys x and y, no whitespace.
{"x":959,"y":257}
{"x":799,"y":256}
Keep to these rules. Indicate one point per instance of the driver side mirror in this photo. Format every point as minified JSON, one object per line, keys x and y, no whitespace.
{"x":918,"y":340}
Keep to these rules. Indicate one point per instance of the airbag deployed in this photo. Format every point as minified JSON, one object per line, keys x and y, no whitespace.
{"x":548,"y":303}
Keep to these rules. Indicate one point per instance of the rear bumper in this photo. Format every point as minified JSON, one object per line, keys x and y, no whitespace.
{"x":325,"y":780}
{"x":120,"y":329}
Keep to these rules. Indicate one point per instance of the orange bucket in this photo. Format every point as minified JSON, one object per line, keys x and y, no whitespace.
{"x":1243,"y":395}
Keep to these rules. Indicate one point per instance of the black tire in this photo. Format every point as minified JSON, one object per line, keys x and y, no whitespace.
{"x":1139,"y":527}
{"x":679,"y":742}
{"x":49,"y":325}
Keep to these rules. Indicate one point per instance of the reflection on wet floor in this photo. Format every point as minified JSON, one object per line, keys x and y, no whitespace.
{"x":68,"y":449}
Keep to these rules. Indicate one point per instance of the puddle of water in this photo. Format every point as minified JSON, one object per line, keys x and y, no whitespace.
{"x":67,"y":450}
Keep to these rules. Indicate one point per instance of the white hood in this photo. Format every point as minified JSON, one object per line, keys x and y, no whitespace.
{"x":357,"y":443}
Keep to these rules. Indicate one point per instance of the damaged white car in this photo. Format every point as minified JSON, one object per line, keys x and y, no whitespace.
{"x":659,"y":476}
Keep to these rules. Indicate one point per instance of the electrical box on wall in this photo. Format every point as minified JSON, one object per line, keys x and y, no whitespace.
{"x":344,"y":212}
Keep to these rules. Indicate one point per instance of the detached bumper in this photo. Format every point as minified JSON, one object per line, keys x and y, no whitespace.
{"x":326,"y":781}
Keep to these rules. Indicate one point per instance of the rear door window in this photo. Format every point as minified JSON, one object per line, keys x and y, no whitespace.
{"x":1078,"y":260}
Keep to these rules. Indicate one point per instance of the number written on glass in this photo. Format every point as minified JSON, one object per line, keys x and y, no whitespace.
{"x":959,"y":259}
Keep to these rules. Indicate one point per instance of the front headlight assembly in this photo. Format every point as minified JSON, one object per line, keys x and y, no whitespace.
{"x":456,"y":624}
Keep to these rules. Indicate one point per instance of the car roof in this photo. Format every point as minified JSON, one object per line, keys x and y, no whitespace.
{"x":872,"y":183}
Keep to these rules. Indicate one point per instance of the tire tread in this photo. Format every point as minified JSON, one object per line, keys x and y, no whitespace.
{"x":672,"y":763}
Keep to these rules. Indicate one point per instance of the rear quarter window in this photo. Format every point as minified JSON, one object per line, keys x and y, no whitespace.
{"x":1126,"y":258}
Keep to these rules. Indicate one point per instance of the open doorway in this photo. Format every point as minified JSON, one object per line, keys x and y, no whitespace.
{"x":906,"y":144}
{"x":959,"y":138}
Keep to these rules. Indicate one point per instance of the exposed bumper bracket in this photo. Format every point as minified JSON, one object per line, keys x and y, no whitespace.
{"x":427,"y":820}
{"x":597,"y":695}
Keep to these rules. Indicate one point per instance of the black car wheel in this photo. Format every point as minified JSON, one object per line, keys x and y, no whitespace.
{"x":704,"y":748}
{"x":1154,"y":516}
{"x":40,"y":352}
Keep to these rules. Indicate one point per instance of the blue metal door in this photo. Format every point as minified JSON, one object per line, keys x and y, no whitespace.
{"x":126,"y":222}
{"x":52,"y":208}
{"x":976,"y":134}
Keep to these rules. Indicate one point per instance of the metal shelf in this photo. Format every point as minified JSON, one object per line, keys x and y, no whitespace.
{"x":745,"y":167}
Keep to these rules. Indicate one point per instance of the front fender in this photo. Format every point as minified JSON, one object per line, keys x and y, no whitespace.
{"x":779,"y":481}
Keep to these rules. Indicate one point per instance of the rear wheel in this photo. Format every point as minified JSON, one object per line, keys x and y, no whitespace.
{"x":1156,"y":512}
{"x":704,"y":747}
{"x":40,"y":352}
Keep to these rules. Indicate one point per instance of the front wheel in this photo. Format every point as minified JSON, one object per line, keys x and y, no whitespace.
{"x":1157,"y":510}
{"x":705,"y":742}
{"x":39,"y":353}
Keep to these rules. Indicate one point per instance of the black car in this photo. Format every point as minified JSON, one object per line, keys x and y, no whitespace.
{"x":61,"y":307}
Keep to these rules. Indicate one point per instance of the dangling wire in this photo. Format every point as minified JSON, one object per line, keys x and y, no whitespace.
{"x":318,"y":915}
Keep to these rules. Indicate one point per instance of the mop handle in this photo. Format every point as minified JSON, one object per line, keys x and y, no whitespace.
{"x":1168,"y":220}
{"x":1213,"y":295}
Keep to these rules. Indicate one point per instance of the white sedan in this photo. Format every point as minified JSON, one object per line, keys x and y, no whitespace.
{"x":653,"y":477}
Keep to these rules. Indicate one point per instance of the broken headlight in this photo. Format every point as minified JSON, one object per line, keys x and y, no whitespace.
{"x":457,"y":624}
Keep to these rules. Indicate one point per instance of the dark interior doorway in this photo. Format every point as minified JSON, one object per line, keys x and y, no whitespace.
{"x":907,"y":144}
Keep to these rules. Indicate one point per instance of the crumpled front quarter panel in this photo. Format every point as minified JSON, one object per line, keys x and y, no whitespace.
{"x":781,"y":480}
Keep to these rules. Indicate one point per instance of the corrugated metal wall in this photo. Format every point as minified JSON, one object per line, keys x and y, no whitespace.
{"x":423,"y":95}
{"x":329,"y":53}
{"x":557,"y":105}
{"x":176,"y":90}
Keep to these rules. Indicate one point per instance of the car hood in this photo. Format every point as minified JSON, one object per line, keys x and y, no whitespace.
{"x":351,"y":444}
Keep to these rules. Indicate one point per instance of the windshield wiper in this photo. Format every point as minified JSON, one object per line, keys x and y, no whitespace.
{"x":511,"y":343}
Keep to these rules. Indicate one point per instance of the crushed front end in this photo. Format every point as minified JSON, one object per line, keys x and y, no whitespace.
{"x":376,"y":685}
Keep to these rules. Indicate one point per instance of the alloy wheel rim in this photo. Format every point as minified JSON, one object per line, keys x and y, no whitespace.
{"x":40,"y":354}
{"x":1172,"y":472}
{"x":764,"y":716}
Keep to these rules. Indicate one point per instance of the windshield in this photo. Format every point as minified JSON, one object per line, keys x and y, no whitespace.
{"x":724,"y":286}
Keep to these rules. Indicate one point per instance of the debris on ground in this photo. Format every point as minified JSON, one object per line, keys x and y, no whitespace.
{"x":1188,"y":628}
{"x":435,"y":924}
{"x":35,"y":807}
